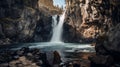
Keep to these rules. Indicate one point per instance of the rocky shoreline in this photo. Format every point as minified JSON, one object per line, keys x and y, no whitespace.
{"x":26,"y":57}
{"x":34,"y":57}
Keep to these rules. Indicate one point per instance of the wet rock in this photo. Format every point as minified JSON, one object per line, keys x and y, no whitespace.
{"x":29,"y":56}
{"x":23,"y":51}
{"x":39,"y":63}
{"x":16,"y":57}
{"x":4,"y":65}
{"x":44,"y":59}
{"x":35,"y":51}
{"x":57,"y":58}
{"x":101,"y":60}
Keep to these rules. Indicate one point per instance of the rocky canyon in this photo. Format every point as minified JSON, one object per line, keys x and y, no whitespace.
{"x":27,"y":21}
{"x":85,"y":21}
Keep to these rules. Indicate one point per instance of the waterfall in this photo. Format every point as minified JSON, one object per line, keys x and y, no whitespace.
{"x":58,"y":28}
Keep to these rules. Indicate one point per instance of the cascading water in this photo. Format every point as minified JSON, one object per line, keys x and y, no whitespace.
{"x":58,"y":28}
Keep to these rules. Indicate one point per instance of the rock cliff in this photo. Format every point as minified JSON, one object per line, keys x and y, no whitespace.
{"x":25,"y":21}
{"x":107,"y":45}
{"x":89,"y":18}
{"x":95,"y":21}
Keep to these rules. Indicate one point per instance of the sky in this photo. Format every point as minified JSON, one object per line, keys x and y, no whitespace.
{"x":59,"y":2}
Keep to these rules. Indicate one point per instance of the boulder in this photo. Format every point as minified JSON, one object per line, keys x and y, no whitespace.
{"x":57,"y":58}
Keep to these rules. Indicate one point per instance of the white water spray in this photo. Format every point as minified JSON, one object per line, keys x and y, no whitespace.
{"x":58,"y":28}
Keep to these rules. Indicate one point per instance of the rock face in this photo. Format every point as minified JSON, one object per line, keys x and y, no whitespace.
{"x":99,"y":20}
{"x":86,"y":19}
{"x":107,"y":45}
{"x":107,"y":49}
{"x":25,"y":21}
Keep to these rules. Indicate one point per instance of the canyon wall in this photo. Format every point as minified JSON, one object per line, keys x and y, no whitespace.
{"x":107,"y":45}
{"x":25,"y":21}
{"x":87,"y":19}
{"x":95,"y":21}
